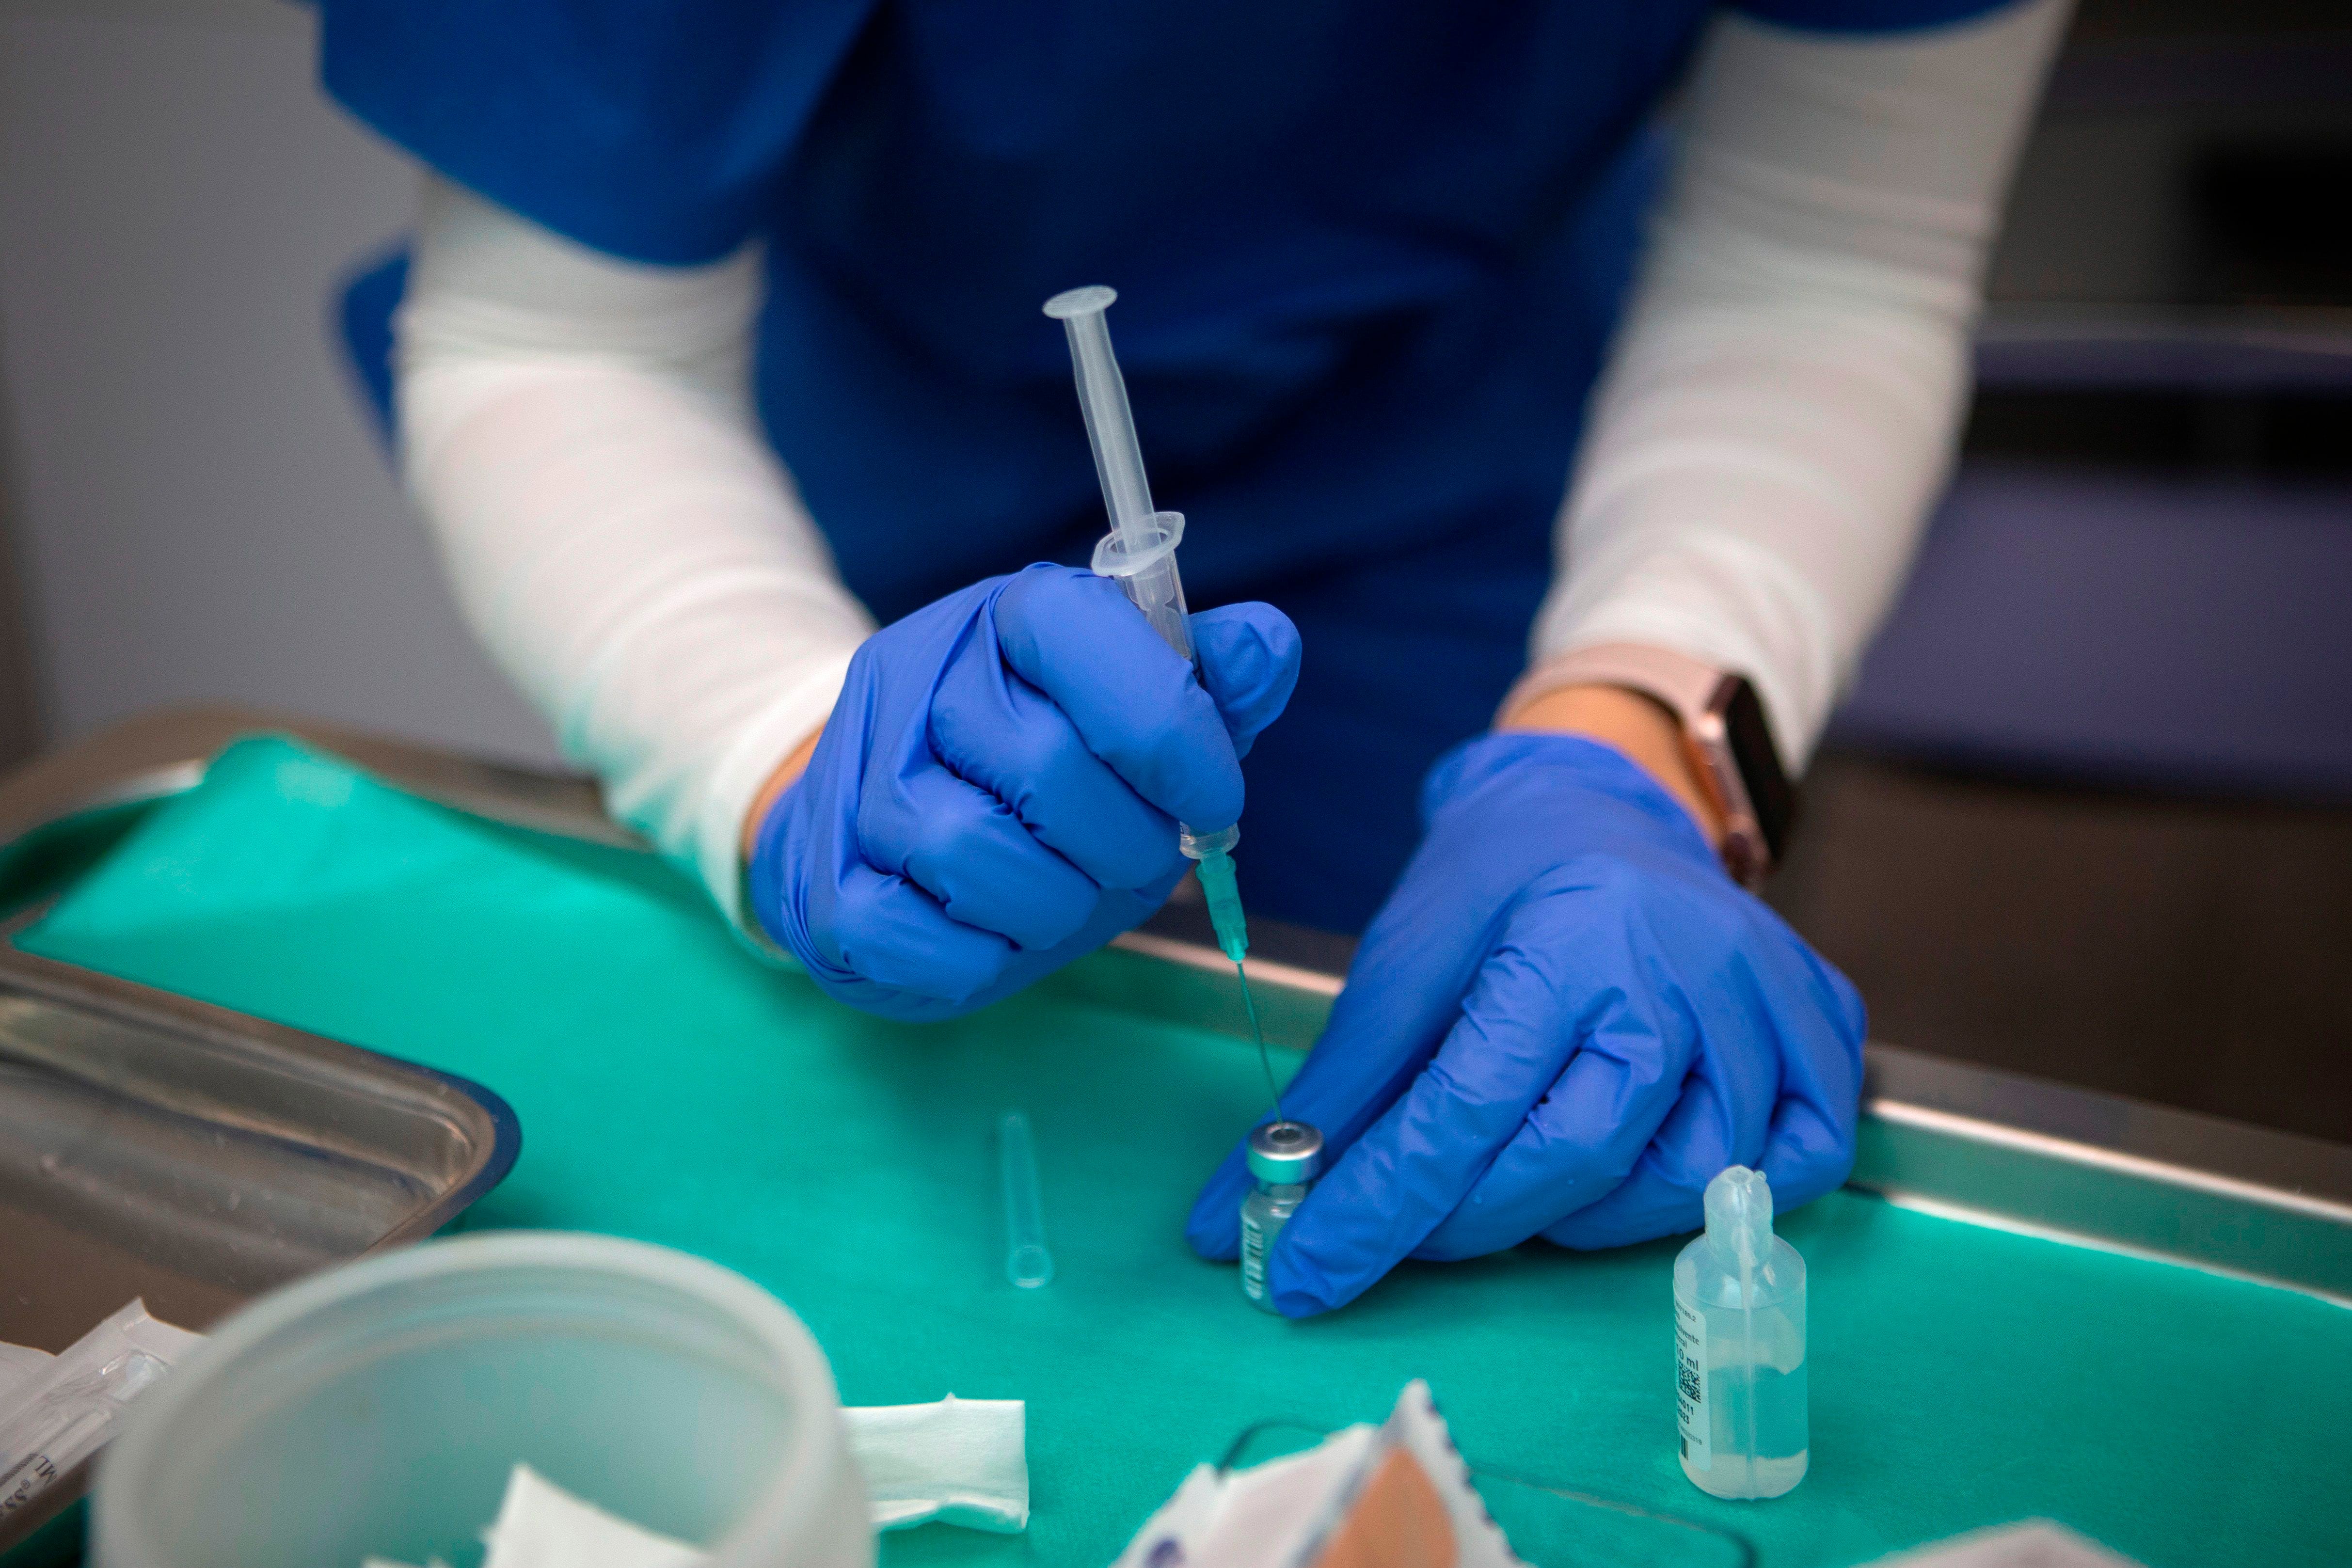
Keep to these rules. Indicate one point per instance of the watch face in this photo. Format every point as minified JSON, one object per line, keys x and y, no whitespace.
{"x":1769,"y":794}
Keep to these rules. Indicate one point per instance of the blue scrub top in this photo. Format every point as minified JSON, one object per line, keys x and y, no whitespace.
{"x":1368,"y":255}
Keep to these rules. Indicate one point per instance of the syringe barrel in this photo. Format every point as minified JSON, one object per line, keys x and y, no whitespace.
{"x":1204,"y":847}
{"x":1149,"y":578}
{"x":1147,"y":573}
{"x":1139,"y":552}
{"x":1027,"y":1261}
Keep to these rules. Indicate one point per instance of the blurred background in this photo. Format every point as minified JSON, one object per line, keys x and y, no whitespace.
{"x":2087,"y":813}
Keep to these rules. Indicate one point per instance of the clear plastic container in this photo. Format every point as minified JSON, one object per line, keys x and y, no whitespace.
{"x":1739,"y":1347}
{"x":378,"y":1410}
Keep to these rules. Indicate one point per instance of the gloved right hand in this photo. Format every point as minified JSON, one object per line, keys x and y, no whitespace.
{"x":997,"y":790}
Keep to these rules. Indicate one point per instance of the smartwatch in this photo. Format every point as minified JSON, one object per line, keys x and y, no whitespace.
{"x":1726,"y":736}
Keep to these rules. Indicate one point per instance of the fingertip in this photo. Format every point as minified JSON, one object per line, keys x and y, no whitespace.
{"x":1212,"y":1241}
{"x":1296,"y":1304}
{"x":1210,"y":799}
{"x":1808,"y":1156}
{"x":1300,"y":1290}
{"x":1249,"y":666}
{"x":1213,"y":1228}
{"x":1337,"y":1245}
{"x":1250,"y":656}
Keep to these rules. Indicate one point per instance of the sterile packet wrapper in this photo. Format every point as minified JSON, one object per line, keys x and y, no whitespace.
{"x":18,"y":1362}
{"x":958,"y":1461}
{"x":56,"y":1414}
{"x":1395,"y":1494}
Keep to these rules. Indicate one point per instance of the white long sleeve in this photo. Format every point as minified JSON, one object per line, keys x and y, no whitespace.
{"x":1778,"y":414}
{"x":577,"y":432}
{"x":1781,"y":408}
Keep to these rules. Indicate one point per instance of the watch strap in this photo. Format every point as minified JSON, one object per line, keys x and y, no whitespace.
{"x":1701,"y":696}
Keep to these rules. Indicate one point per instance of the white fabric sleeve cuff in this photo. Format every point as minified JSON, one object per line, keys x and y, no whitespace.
{"x":577,"y":433}
{"x":1779,"y":411}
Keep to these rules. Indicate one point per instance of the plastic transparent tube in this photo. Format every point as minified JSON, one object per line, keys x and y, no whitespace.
{"x":1027,"y":1263}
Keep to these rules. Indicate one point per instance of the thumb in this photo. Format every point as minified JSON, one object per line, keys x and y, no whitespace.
{"x":1249,"y":665}
{"x":1404,"y":991}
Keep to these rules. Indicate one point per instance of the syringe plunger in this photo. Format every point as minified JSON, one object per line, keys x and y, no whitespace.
{"x":1110,"y":423}
{"x":1140,"y":554}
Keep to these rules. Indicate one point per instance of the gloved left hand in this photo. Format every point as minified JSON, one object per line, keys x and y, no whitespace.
{"x":1566,"y":1021}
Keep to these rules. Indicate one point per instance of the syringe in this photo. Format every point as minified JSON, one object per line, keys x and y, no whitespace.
{"x":1139,"y":554}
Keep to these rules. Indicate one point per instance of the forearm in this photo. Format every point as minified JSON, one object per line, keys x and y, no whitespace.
{"x":1781,"y":409}
{"x":575,"y":432}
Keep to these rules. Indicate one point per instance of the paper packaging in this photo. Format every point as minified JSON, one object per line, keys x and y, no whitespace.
{"x":958,"y":1461}
{"x":18,"y":1362}
{"x":1399,"y":1495}
{"x":57,"y":1411}
{"x":540,"y":1525}
{"x":1367,"y":1497}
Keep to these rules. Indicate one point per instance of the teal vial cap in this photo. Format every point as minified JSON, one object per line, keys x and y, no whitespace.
{"x":1286,"y":1154}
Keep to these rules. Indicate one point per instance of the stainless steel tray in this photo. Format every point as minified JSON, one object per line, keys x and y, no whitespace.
{"x":155,"y":1145}
{"x":1987,"y":1147}
{"x":1945,"y":1137}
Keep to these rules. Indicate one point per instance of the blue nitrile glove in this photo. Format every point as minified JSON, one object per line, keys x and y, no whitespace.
{"x":1565,"y":1021}
{"x":998,"y":787}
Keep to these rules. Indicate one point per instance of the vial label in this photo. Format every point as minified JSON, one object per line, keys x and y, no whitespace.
{"x":1690,"y":1386}
{"x":1252,"y":1258}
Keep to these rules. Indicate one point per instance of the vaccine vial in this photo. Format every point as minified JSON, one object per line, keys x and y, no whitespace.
{"x":1739,"y":1346}
{"x":1285,"y":1157}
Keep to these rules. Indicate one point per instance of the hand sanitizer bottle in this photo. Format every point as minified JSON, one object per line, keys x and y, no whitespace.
{"x":1739,"y":1346}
